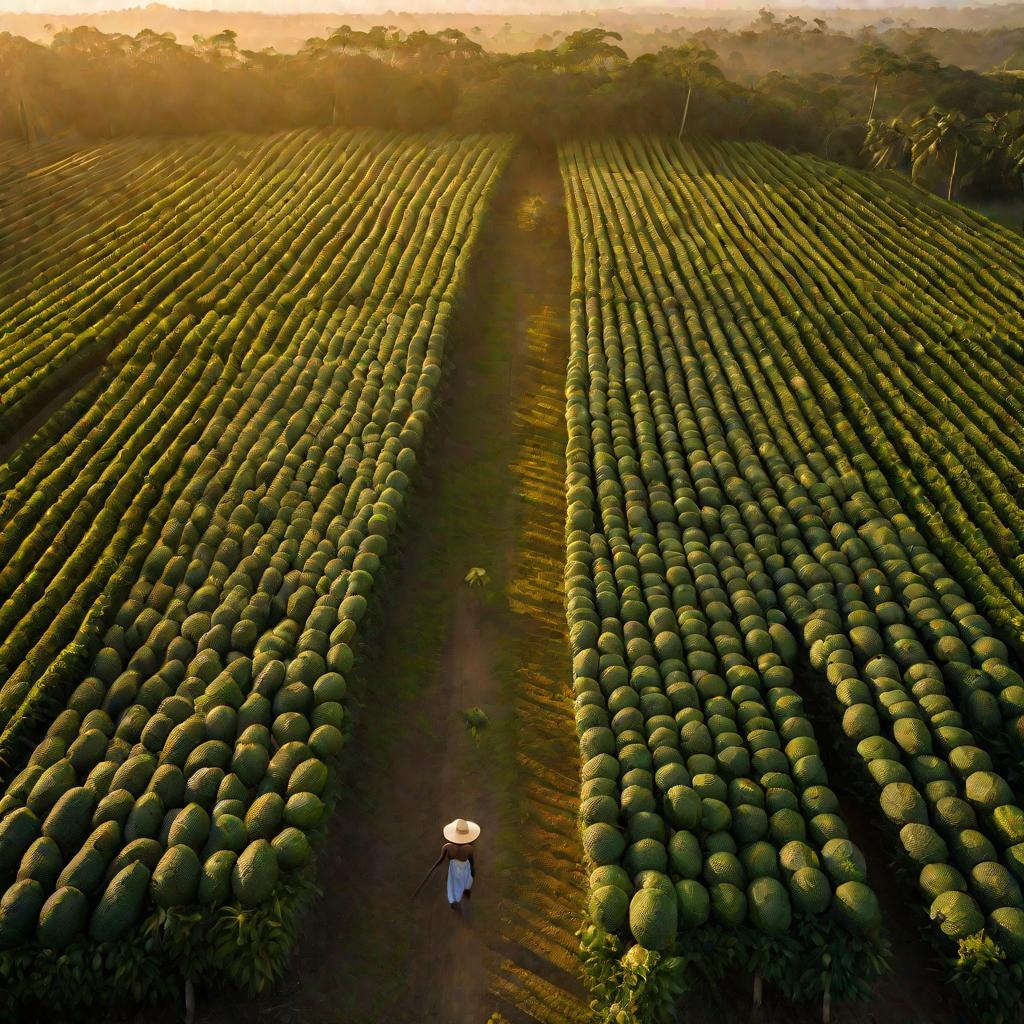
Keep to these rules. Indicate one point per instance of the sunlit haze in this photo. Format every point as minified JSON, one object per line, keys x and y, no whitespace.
{"x":71,"y":7}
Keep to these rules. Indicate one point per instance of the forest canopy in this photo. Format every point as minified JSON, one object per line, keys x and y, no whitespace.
{"x":888,"y":99}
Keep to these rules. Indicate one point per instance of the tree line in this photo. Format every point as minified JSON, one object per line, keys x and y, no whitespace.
{"x":882,"y":106}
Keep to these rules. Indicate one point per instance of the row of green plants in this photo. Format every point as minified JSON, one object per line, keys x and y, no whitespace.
{"x":282,"y":212}
{"x":161,"y":829}
{"x":908,"y":319}
{"x":119,"y":232}
{"x":715,"y":817}
{"x":17,"y":159}
{"x":946,"y":612}
{"x":31,"y":541}
{"x":686,"y":419}
{"x":100,"y":217}
{"x":986,"y":682}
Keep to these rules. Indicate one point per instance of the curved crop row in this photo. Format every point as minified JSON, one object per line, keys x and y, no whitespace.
{"x":923,"y":686}
{"x":123,"y":233}
{"x":71,"y":498}
{"x":921,"y":356}
{"x":717,"y":839}
{"x":960,"y":639}
{"x":161,"y":829}
{"x":17,"y":159}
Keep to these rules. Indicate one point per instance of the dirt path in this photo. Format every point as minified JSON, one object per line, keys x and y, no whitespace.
{"x":492,"y":497}
{"x":536,"y":974}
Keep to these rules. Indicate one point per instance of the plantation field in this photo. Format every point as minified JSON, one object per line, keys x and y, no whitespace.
{"x":189,"y":544}
{"x":735,"y":435}
{"x":492,"y":488}
{"x":766,"y":366}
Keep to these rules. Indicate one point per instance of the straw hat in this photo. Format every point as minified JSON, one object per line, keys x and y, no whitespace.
{"x":461,"y":831}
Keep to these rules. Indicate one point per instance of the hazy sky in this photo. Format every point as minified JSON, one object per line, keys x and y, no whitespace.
{"x":93,"y":6}
{"x":273,"y":6}
{"x":300,"y":6}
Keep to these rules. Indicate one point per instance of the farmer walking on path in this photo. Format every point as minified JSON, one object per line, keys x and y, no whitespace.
{"x":458,"y":851}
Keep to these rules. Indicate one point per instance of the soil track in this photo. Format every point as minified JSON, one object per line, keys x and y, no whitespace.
{"x":492,"y":496}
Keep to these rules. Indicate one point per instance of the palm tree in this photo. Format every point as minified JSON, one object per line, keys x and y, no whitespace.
{"x":939,"y":132}
{"x":695,"y":62}
{"x":887,"y":142}
{"x":877,"y":61}
{"x":589,"y":47}
{"x":1003,"y":136}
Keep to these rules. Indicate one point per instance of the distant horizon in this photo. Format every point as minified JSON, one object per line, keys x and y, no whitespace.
{"x":88,"y":8}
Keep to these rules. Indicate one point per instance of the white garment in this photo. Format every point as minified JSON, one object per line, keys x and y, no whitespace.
{"x":460,"y":878}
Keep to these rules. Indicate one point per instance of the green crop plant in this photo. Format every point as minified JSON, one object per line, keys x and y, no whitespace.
{"x":185,"y":568}
{"x":725,"y":514}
